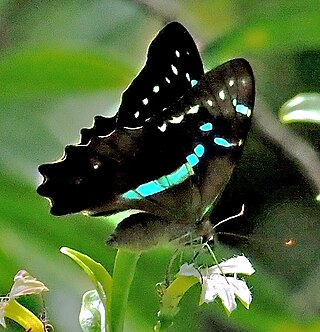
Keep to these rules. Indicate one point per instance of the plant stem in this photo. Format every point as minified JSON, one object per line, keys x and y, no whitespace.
{"x":123,"y":273}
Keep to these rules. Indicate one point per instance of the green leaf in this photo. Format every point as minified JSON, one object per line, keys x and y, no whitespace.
{"x":92,"y":313}
{"x":97,"y":273}
{"x":46,"y":72}
{"x":170,"y":300}
{"x":305,"y":107}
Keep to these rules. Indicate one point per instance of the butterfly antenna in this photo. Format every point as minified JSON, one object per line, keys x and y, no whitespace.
{"x":290,"y":242}
{"x":206,"y":244}
{"x":240,"y":214}
{"x":245,"y":237}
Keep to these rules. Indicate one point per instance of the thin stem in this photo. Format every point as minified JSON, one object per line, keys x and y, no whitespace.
{"x":123,"y":273}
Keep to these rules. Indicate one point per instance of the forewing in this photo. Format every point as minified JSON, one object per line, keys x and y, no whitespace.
{"x":173,"y":65}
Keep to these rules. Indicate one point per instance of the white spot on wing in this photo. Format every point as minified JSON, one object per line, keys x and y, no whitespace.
{"x":163,"y":127}
{"x":132,"y":128}
{"x":221,"y":95}
{"x":193,"y":109}
{"x":234,"y":102}
{"x":136,"y":115}
{"x":168,"y":81}
{"x":188,"y":77}
{"x":231,"y":82}
{"x":209,"y":102}
{"x":177,"y":119}
{"x":177,"y":54}
{"x":174,"y":69}
{"x":156,"y":89}
{"x":96,"y":165}
{"x":145,"y":101}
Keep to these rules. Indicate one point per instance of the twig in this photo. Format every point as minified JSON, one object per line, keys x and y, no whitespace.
{"x":293,"y":145}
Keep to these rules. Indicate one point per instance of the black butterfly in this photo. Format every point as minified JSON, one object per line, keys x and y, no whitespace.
{"x":169,"y":151}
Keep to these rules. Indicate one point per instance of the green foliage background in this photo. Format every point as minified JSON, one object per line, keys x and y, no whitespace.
{"x":63,"y":62}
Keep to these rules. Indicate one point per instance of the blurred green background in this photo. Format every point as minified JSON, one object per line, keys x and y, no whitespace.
{"x":63,"y":62}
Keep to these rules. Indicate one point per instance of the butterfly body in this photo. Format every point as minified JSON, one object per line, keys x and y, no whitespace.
{"x":169,"y":151}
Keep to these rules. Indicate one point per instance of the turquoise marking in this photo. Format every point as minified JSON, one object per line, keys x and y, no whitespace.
{"x":163,"y":182}
{"x":149,"y":188}
{"x":167,"y":181}
{"x":131,"y":194}
{"x":193,"y":82}
{"x":189,"y":168}
{"x":192,"y":159}
{"x":222,"y":142}
{"x":199,"y":150}
{"x":178,"y":176}
{"x":242,"y":109}
{"x":206,"y":127}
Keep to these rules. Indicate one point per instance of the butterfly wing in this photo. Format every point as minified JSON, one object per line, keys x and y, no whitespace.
{"x":173,"y":65}
{"x":228,"y":95}
{"x":173,"y":158}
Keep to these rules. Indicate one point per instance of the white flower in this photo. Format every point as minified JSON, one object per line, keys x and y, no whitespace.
{"x":25,"y":284}
{"x":237,"y":264}
{"x":3,"y":303}
{"x":216,"y":283}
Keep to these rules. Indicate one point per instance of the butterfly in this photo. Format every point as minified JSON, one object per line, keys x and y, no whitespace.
{"x":168,"y":152}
